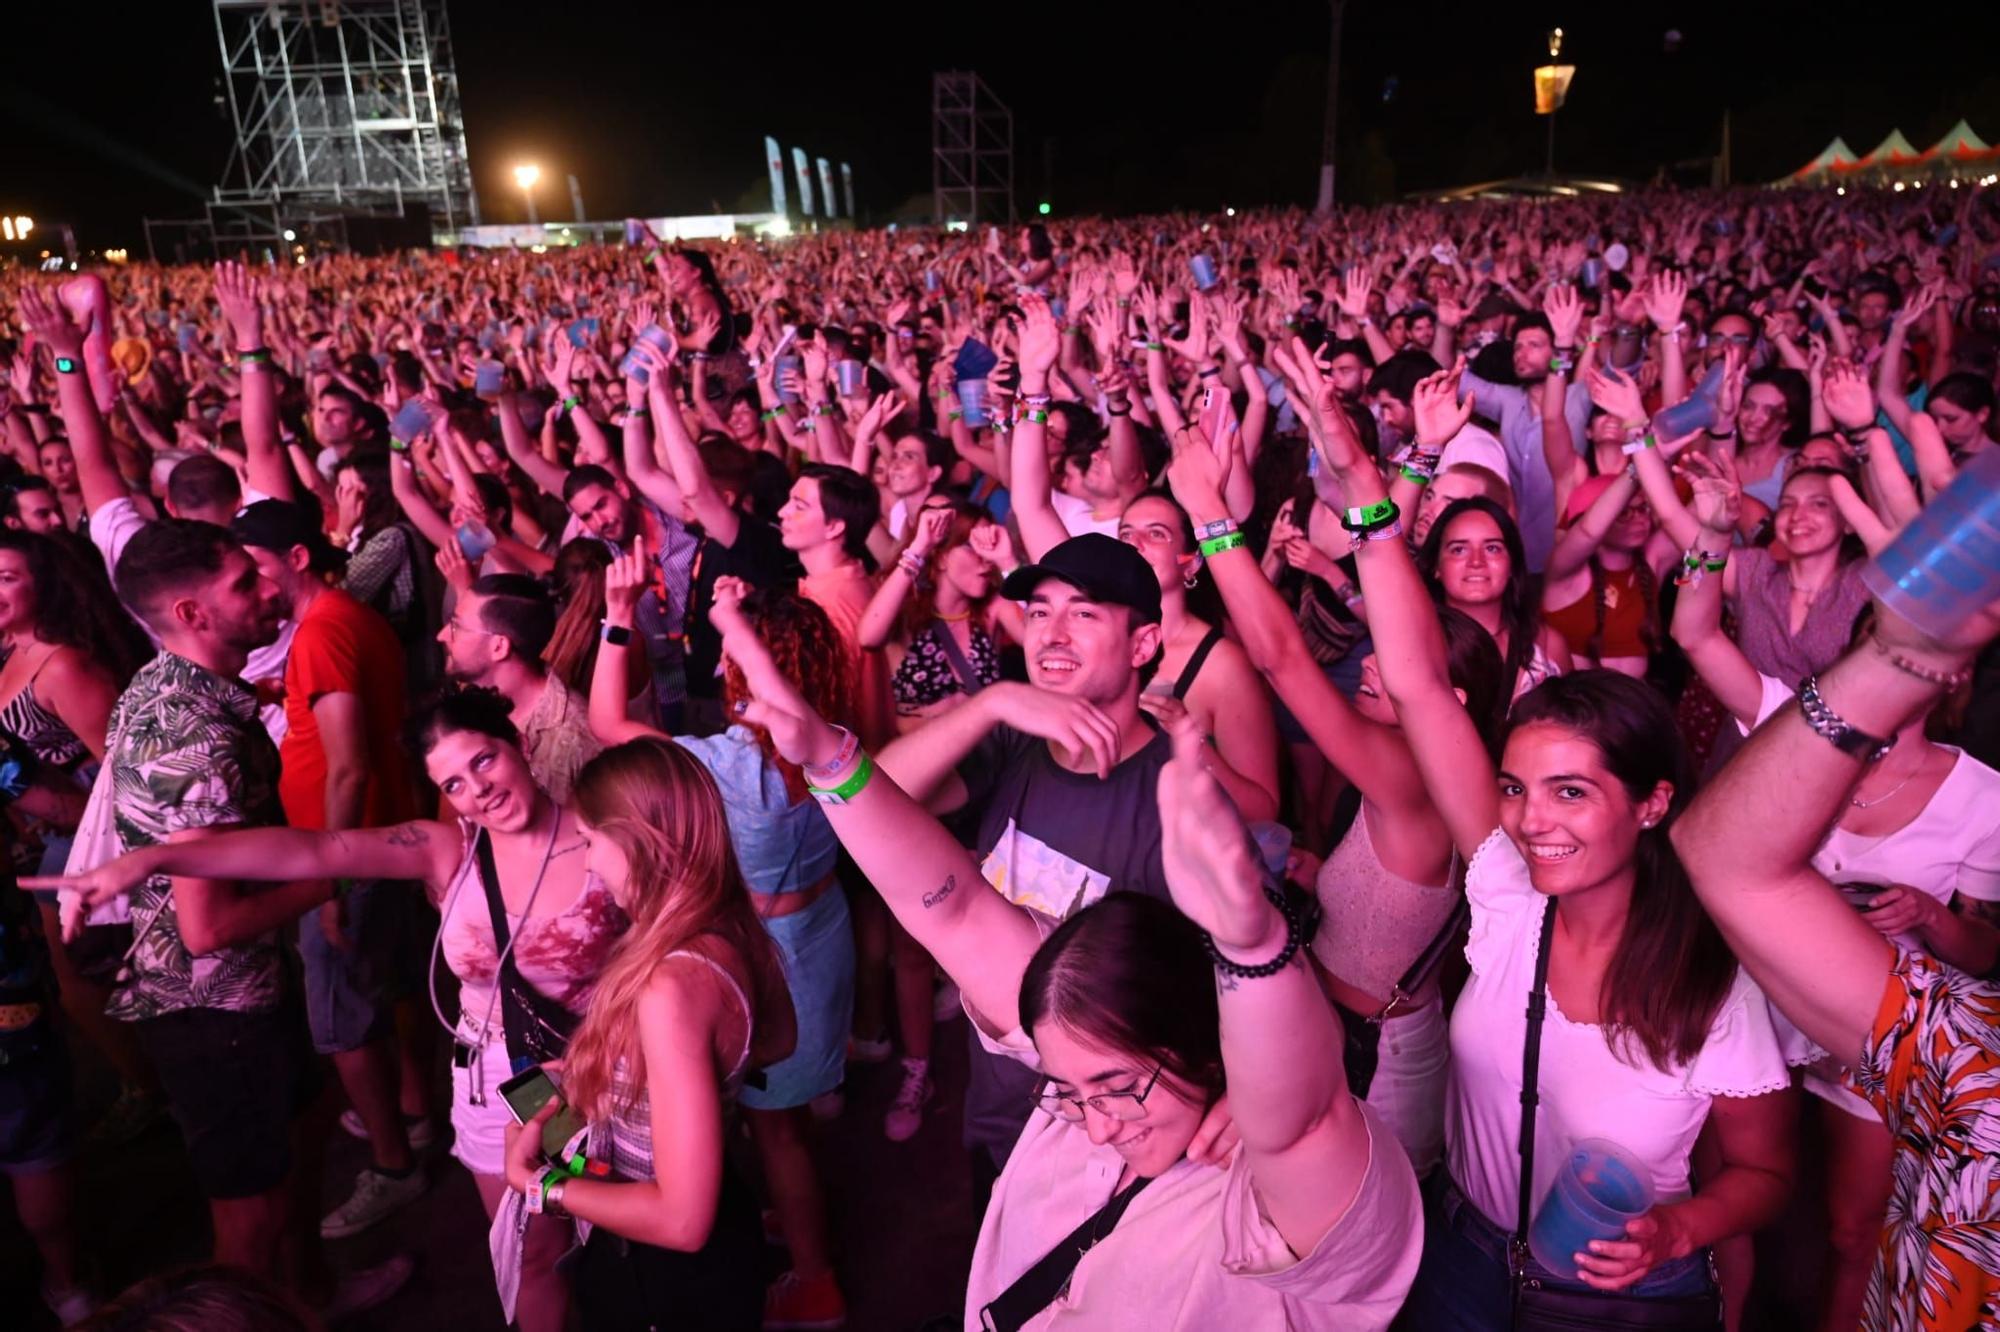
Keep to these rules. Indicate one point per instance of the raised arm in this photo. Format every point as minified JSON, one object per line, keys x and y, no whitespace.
{"x":927,"y":878}
{"x":1028,"y":482}
{"x":880,"y":622}
{"x":1697,"y":626}
{"x":236,"y":292}
{"x":89,"y":442}
{"x":690,"y":485}
{"x":625,"y":582}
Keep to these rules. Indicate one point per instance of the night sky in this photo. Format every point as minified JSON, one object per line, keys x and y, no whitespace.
{"x":107,"y":112}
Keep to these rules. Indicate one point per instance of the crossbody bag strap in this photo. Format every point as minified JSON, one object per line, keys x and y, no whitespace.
{"x":1038,"y":1287}
{"x":1413,"y":980}
{"x":1531,"y":1067}
{"x":496,"y":906}
{"x":968,"y":679}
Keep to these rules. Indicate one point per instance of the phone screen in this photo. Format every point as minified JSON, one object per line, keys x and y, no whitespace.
{"x":526,"y":1093}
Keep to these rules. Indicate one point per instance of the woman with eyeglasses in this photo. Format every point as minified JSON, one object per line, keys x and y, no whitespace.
{"x":1140,"y":1016}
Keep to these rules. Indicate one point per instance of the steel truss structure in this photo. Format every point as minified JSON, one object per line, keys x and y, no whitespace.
{"x":972,"y":151}
{"x":340,"y":107}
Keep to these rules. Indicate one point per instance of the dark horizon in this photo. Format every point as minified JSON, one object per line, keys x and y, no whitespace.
{"x":1110,"y":113}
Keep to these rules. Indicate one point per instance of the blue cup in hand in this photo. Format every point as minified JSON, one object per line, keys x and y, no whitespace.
{"x":1599,"y":1188}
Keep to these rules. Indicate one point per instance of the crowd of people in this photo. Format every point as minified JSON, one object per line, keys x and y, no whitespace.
{"x":1350,"y":707}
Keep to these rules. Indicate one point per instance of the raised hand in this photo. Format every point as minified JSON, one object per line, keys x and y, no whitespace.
{"x":1849,"y":400}
{"x":236,"y":293}
{"x":627,"y":578}
{"x":1616,"y":392}
{"x":1665,"y":297}
{"x":1352,"y":294}
{"x":1195,"y":476}
{"x":1440,"y":413}
{"x":1214,"y":878}
{"x":1124,"y":277}
{"x":933,"y":525}
{"x":1194,"y":347}
{"x":1920,"y":302}
{"x":1564,"y":309}
{"x":1717,"y":501}
{"x":1040,"y":340}
{"x":49,"y":322}
{"x":990,"y":542}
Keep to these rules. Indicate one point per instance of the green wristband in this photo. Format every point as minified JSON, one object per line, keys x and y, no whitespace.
{"x":1379,"y":514}
{"x":847,"y":790}
{"x":1227,"y":541}
{"x":773,"y":414}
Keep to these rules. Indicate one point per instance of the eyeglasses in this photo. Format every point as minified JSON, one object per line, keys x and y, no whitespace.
{"x":1124,"y":1106}
{"x":454,"y":628}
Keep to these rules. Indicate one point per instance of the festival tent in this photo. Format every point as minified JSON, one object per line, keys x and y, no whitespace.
{"x":1836,"y":155}
{"x":1960,"y":145}
{"x":1893,"y":151}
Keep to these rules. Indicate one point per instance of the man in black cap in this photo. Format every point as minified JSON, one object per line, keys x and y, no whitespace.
{"x":343,"y":767}
{"x":1061,"y":773}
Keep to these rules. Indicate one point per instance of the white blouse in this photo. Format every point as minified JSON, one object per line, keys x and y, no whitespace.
{"x":1587,"y":1090}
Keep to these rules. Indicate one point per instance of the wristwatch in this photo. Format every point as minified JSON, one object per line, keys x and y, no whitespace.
{"x":1833,"y":728}
{"x":65,"y":365}
{"x":617,"y":635}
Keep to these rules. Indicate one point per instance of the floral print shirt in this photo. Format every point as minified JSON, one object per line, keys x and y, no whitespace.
{"x":1932,"y":1067}
{"x":189,"y":751}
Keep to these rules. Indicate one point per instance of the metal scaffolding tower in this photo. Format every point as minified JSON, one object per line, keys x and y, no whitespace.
{"x":972,"y":151}
{"x":340,"y":107}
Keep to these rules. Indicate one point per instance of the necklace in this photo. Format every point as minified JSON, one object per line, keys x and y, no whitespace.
{"x":954,"y":619}
{"x":1859,"y":803}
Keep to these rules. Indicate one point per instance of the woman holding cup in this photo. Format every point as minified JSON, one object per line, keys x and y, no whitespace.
{"x":1650,"y":1032}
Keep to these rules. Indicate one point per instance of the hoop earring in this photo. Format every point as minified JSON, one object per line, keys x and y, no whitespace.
{"x":1191,"y":572}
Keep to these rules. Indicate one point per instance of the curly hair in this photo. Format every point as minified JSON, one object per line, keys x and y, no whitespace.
{"x":74,"y":604}
{"x":812,"y":655}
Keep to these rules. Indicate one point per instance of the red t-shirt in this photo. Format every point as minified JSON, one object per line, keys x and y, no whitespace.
{"x":342,"y":647}
{"x":843,"y":593}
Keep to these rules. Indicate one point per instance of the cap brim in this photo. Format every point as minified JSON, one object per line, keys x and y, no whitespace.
{"x":1021,"y":584}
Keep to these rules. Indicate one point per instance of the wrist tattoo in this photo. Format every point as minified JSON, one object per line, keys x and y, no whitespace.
{"x":946,"y":889}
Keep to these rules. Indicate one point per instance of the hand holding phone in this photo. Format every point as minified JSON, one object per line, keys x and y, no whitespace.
{"x":526,"y":1093}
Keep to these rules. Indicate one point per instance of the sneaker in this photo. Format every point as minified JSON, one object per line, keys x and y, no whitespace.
{"x":877,"y":1051}
{"x":793,"y":1301}
{"x":357,"y":1292}
{"x":130,"y":1115}
{"x":947,"y":1004}
{"x":69,"y":1306}
{"x":375,"y":1196}
{"x":827,"y":1106}
{"x":906,"y":1116}
{"x":422,"y":1135}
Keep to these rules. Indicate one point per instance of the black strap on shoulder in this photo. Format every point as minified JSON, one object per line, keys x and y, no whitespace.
{"x":968,"y":678}
{"x":1037,"y":1288}
{"x":489,"y":879}
{"x":1531,"y":1067}
{"x":1195,"y":662}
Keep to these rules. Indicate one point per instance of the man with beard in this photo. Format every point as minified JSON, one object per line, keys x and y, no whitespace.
{"x":206,"y":988}
{"x":494,"y":640}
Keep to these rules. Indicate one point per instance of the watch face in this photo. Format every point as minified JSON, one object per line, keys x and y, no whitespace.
{"x":66,"y":365}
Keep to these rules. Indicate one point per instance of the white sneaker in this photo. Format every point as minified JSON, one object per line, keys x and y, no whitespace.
{"x":420,"y":1131}
{"x":906,"y":1116}
{"x":375,"y":1196}
{"x":359,"y":1291}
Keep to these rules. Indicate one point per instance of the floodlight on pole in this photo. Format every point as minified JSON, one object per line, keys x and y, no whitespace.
{"x":525,"y":175}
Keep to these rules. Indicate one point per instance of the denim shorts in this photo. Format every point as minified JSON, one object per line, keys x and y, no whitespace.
{"x":816,"y":947}
{"x":350,"y":992}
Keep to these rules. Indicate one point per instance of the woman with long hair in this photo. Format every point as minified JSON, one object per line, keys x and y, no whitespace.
{"x":509,"y":842}
{"x":937,"y":612}
{"x":689,"y":1002}
{"x":1652,"y":1033}
{"x":1474,"y":563}
{"x":1388,"y":891}
{"x":1601,"y":589}
{"x":571,"y":655}
{"x":786,"y":853}
{"x":1140,"y":1016}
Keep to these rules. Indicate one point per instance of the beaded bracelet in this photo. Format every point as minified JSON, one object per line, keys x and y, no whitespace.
{"x":1301,"y":917}
{"x":1949,"y":681}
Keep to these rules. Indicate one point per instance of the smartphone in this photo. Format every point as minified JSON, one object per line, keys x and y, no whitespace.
{"x":526,"y":1093}
{"x":1861,"y":895}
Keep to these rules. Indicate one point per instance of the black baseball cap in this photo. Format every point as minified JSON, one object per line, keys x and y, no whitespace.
{"x":279,"y":525}
{"x":1101,"y":567}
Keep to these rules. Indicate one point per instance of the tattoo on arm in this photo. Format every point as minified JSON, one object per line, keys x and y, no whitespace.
{"x":408,"y":834}
{"x":946,"y":889}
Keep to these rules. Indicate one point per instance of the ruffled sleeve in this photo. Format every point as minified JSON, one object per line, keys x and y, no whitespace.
{"x":1504,"y":903}
{"x":1743,"y":1055}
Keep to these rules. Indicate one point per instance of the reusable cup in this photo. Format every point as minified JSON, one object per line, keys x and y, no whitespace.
{"x":1203,"y":269}
{"x":1692,"y":413}
{"x":488,"y":379}
{"x":1599,"y":1188}
{"x":972,"y":401}
{"x":851,"y":376}
{"x":1945,"y":566}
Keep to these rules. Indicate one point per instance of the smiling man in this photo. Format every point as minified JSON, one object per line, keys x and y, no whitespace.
{"x":1061,"y":774}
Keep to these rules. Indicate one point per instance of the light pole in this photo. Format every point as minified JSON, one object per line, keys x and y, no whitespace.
{"x":525,"y":175}
{"x":1551,"y":87}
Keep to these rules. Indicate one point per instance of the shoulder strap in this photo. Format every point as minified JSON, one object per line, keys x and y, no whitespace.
{"x":1531,"y":1066}
{"x":1037,"y":1288}
{"x":1195,"y":662}
{"x":968,"y":679}
{"x":489,"y":879}
{"x":1427,"y":962}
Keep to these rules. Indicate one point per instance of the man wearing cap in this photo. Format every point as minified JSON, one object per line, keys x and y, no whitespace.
{"x":343,"y":767}
{"x":1061,"y":774}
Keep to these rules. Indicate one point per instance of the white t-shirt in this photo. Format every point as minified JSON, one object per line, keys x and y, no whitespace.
{"x":1587,"y":1090}
{"x":1076,"y":517}
{"x":116,"y":523}
{"x":1194,"y":1249}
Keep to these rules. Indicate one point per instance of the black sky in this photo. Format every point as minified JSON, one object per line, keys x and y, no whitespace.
{"x":106,"y":111}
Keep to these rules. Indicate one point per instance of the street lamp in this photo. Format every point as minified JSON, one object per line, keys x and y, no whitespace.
{"x":525,"y":175}
{"x":1551,"y":88}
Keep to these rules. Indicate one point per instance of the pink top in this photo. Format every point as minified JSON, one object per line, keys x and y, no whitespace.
{"x":559,"y":955}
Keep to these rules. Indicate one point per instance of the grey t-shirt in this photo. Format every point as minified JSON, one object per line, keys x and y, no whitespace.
{"x":1053,"y":841}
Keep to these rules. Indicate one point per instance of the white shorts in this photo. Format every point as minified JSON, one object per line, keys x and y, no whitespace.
{"x":481,"y":1130}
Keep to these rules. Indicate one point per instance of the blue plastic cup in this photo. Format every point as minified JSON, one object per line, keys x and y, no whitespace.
{"x":489,"y":379}
{"x":1692,"y":413}
{"x":1599,"y":1189}
{"x":411,"y":420}
{"x":1274,"y":845}
{"x":931,"y":279}
{"x":972,"y":401}
{"x":1593,"y":272}
{"x":1203,"y":268}
{"x":787,"y":365}
{"x":1945,"y":566}
{"x":634,"y":368}
{"x":474,"y":540}
{"x":851,"y":376}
